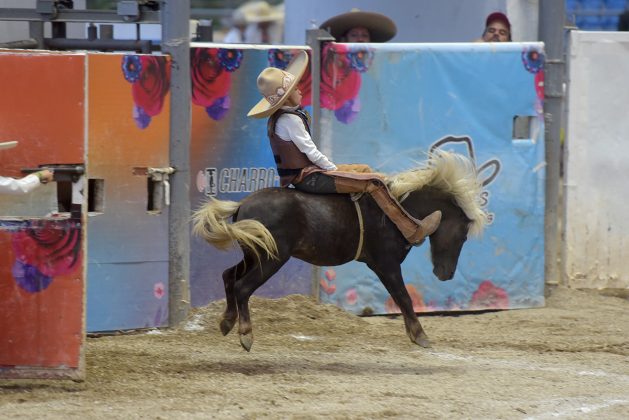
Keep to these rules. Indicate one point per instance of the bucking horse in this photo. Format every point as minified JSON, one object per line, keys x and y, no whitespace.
{"x":273,"y":224}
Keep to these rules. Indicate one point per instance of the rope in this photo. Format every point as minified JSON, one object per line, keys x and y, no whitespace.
{"x":362,"y":229}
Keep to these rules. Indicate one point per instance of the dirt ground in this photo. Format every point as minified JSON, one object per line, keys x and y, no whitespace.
{"x":567,"y":360}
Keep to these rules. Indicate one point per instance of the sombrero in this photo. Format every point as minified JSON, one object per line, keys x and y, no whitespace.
{"x":380,"y":27}
{"x":7,"y":144}
{"x":276,"y":85}
{"x":260,"y":11}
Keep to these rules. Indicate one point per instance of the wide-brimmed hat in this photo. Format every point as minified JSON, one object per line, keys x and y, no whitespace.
{"x":380,"y":27}
{"x":259,"y":11}
{"x":7,"y":144}
{"x":499,"y":16}
{"x":276,"y":85}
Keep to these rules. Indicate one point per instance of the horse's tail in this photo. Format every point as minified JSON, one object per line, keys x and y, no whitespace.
{"x":211,"y":223}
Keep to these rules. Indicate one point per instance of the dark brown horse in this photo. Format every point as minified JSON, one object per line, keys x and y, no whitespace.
{"x":274,"y":224}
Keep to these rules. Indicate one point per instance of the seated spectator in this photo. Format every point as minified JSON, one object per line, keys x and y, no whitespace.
{"x":359,"y":26}
{"x":497,"y":28}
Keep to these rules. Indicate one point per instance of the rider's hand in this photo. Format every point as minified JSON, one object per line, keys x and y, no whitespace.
{"x":45,"y":175}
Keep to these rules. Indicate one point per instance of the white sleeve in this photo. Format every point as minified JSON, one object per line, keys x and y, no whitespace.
{"x":291,"y":128}
{"x":18,"y":186}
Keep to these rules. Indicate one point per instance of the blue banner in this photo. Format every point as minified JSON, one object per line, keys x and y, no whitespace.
{"x":391,"y":105}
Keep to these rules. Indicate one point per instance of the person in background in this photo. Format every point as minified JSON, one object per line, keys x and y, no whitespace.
{"x":360,"y":26}
{"x":256,"y":22}
{"x":623,"y":21}
{"x":236,"y":34}
{"x":497,"y":28}
{"x":301,"y":164}
{"x":26,"y":184}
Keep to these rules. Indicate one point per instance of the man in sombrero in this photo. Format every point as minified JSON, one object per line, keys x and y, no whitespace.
{"x":301,"y":164}
{"x":359,"y":26}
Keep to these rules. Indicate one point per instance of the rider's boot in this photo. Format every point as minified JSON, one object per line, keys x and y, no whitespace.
{"x":415,"y":231}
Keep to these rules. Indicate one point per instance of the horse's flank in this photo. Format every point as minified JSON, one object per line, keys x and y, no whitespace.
{"x":451,"y":173}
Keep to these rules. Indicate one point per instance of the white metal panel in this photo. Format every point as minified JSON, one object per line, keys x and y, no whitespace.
{"x":596,"y":187}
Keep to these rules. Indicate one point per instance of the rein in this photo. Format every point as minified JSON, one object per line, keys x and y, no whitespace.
{"x":361,"y":224}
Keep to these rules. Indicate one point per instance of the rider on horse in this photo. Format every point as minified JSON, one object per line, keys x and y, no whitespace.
{"x":300,"y":163}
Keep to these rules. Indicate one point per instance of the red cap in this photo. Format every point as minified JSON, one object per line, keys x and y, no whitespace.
{"x":498,"y":16}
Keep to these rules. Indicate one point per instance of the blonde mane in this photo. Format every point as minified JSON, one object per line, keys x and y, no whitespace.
{"x":451,"y":173}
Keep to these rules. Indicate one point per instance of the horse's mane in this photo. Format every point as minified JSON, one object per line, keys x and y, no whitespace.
{"x":452,"y":173}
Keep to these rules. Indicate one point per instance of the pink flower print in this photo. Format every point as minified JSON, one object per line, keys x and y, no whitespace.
{"x":416,"y":297}
{"x":351,"y":297}
{"x":150,"y":79}
{"x":489,"y":296}
{"x":159,"y":290}
{"x":52,"y":247}
{"x":327,"y":287}
{"x":340,"y":82}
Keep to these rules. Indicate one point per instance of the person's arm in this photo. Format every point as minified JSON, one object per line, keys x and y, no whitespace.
{"x":18,"y":186}
{"x":291,"y":127}
{"x":26,"y":184}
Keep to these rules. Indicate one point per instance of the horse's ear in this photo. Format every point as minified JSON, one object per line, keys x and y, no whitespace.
{"x":491,"y":174}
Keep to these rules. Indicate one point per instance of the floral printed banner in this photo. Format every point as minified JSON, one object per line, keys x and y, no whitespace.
{"x":388,"y":104}
{"x":42,"y":264}
{"x":231,"y":157}
{"x":129,"y":120}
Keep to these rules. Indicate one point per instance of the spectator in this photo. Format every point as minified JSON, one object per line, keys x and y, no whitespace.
{"x":26,"y":184}
{"x":497,"y":28}
{"x":359,"y":26}
{"x":256,"y":22}
{"x":623,"y":21}
{"x":236,"y":34}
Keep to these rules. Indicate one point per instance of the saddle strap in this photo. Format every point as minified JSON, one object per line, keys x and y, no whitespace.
{"x":361,"y":224}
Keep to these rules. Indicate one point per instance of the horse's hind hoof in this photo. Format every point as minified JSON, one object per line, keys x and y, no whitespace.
{"x":422,"y":341}
{"x":226,"y":325}
{"x":246,"y":341}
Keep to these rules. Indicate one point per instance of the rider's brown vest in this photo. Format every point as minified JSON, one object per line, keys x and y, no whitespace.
{"x":288,"y":158}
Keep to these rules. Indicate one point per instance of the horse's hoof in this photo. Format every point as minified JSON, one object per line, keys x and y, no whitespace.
{"x":246,"y":341}
{"x":422,"y":340}
{"x":226,"y":325}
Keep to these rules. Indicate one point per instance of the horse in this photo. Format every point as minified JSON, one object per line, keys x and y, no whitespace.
{"x":273,"y":224}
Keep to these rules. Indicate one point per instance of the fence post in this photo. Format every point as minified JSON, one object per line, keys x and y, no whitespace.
{"x":314,"y":38}
{"x":176,"y":43}
{"x":551,"y":27}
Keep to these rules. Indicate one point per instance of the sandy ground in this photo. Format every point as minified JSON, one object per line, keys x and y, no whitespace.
{"x":568,"y":360}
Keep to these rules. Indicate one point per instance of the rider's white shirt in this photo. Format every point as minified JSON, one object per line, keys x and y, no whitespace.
{"x":18,"y":186}
{"x":290,"y":127}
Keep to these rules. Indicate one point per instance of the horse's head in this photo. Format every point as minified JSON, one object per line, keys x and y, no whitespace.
{"x":447,"y":241}
{"x":449,"y":183}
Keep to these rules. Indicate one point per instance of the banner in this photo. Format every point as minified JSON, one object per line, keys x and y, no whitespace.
{"x":387,"y":105}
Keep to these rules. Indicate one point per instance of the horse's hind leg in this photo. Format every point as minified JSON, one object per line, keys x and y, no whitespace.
{"x":244,"y":288}
{"x":231,"y":310}
{"x":392,"y":280}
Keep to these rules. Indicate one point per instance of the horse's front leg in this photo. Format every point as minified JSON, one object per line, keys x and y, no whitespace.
{"x":244,"y":288}
{"x":392,"y":280}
